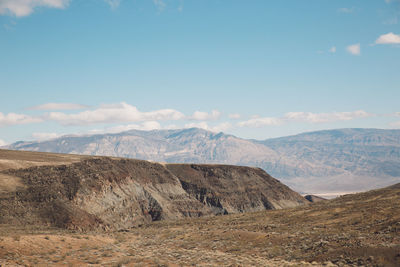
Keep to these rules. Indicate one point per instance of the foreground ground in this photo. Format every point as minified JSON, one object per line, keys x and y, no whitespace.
{"x":354,"y":230}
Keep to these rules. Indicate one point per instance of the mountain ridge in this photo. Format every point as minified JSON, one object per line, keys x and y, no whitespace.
{"x":351,"y":159}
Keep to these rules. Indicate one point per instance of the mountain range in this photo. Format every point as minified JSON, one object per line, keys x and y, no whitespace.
{"x":324,"y":162}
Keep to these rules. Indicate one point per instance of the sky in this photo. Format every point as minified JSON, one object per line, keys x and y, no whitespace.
{"x":256,"y":69}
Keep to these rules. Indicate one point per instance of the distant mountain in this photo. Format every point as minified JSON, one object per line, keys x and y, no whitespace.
{"x":343,"y":160}
{"x":339,"y":160}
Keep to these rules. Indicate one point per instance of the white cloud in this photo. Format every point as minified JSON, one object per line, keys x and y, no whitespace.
{"x":204,"y":116}
{"x":389,"y":38}
{"x":307,"y":117}
{"x":160,"y":4}
{"x":234,"y":116}
{"x":354,"y":49}
{"x":58,"y":106}
{"x":172,"y":126}
{"x":113,"y":3}
{"x":145,"y":126}
{"x":20,"y":8}
{"x":204,"y":125}
{"x":346,"y":10}
{"x":2,"y":143}
{"x":14,"y":118}
{"x":44,"y":136}
{"x":325,"y":117}
{"x":115,"y":113}
{"x":260,"y":122}
{"x":222,"y":127}
{"x":333,"y":49}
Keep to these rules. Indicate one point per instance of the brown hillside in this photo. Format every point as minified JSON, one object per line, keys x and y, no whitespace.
{"x":77,"y":192}
{"x":354,"y":230}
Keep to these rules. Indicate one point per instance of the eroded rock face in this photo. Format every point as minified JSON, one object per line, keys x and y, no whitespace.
{"x":233,"y":189}
{"x":121,"y":193}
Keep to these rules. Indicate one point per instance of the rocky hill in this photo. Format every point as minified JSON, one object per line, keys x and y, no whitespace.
{"x":353,"y":230}
{"x":115,"y":193}
{"x":344,"y":160}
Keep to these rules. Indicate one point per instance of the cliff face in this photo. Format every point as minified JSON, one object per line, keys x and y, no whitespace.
{"x":233,"y":189}
{"x":120,"y":193}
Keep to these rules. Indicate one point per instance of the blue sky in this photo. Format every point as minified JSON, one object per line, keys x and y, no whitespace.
{"x":256,"y":69}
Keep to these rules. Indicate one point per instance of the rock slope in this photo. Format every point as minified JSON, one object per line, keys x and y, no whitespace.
{"x":353,"y":230}
{"x":115,"y":193}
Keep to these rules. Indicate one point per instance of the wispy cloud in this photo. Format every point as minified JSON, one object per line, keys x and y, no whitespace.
{"x":305,"y":117}
{"x":45,"y":136}
{"x":21,"y":8}
{"x":180,"y":7}
{"x":346,"y":9}
{"x":234,"y":116}
{"x":222,"y":127}
{"x":310,"y":117}
{"x":160,"y":4}
{"x":205,"y":116}
{"x":2,"y":143}
{"x":58,"y":106}
{"x":144,"y":126}
{"x":331,"y":50}
{"x":354,"y":49}
{"x":10,"y":26}
{"x":14,"y":119}
{"x":115,"y":113}
{"x":114,"y":4}
{"x":260,"y":122}
{"x":389,"y":38}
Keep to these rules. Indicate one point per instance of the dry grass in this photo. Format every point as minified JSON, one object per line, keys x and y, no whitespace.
{"x":10,"y":159}
{"x":355,"y":230}
{"x":359,"y":230}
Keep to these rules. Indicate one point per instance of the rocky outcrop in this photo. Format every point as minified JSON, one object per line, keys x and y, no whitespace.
{"x":120,"y":193}
{"x":233,"y":189}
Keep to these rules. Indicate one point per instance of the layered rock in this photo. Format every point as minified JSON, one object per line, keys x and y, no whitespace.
{"x":120,"y":193}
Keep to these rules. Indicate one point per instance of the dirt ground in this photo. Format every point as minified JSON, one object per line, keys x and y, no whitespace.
{"x":354,"y":230}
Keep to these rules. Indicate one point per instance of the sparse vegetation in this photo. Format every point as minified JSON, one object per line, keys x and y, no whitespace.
{"x":353,"y":230}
